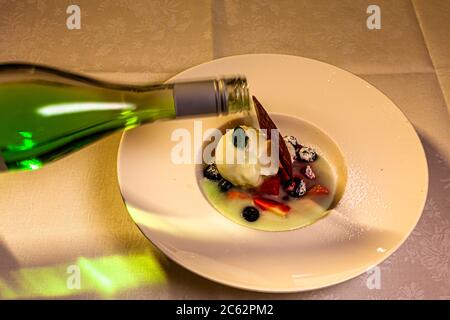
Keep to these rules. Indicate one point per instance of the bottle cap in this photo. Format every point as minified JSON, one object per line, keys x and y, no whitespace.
{"x":209,"y":97}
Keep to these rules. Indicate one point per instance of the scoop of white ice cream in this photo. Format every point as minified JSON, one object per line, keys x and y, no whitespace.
{"x":245,"y":165}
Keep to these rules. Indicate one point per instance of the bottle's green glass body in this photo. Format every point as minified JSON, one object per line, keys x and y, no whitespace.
{"x":46,"y":113}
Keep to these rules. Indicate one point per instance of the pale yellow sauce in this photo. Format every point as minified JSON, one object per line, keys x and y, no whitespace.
{"x":304,"y":211}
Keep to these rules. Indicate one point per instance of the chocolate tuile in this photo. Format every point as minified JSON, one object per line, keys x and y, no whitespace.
{"x":265,"y":122}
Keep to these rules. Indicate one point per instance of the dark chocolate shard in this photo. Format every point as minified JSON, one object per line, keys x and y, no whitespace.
{"x":265,"y":122}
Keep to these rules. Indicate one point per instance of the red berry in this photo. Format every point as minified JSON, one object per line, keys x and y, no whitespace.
{"x":271,"y":205}
{"x":270,"y":186}
{"x":318,"y":190}
{"x":237,"y":195}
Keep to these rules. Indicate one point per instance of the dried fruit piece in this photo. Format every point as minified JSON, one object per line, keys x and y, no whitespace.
{"x":291,"y":143}
{"x":270,"y":186}
{"x":237,"y":195}
{"x":308,"y":172}
{"x":318,"y":190}
{"x":272,"y":206}
{"x":292,"y":140}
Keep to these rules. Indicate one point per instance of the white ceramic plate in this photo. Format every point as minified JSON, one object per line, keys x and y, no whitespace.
{"x":384,"y":194}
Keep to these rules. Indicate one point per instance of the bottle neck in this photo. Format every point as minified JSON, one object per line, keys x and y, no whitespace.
{"x":186,"y":99}
{"x":236,"y":91}
{"x":215,"y":97}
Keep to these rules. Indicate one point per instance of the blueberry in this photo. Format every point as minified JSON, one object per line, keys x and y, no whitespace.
{"x":211,"y":172}
{"x":251,"y":214}
{"x":225,"y":185}
{"x":295,"y":187}
{"x":240,"y":138}
{"x":307,"y":154}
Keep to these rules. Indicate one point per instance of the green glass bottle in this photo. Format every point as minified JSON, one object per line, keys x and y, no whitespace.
{"x":46,"y":113}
